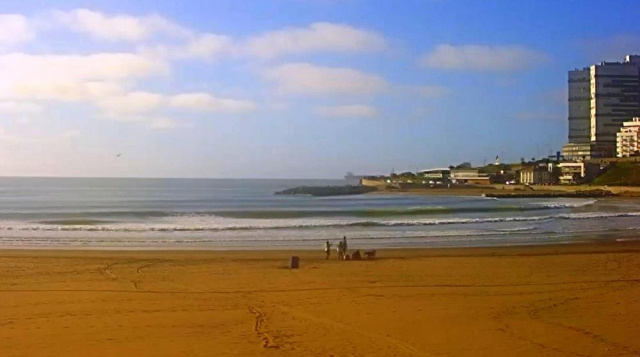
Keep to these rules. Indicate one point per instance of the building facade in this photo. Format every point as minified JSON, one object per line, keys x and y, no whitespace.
{"x":536,"y":175}
{"x":601,"y":98}
{"x":440,"y":175}
{"x":576,"y":172}
{"x":573,"y":151}
{"x":627,"y":139}
{"x":469,"y":176}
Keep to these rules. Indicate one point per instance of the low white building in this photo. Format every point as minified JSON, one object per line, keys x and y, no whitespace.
{"x":574,"y":172}
{"x":627,"y":138}
{"x":436,"y":174}
{"x":471,"y":176}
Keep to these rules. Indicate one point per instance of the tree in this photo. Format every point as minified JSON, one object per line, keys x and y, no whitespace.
{"x":464,"y":165}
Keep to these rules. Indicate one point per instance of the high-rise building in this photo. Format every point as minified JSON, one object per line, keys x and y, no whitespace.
{"x":601,"y":98}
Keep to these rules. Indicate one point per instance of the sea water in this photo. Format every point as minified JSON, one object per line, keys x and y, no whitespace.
{"x":119,"y":213}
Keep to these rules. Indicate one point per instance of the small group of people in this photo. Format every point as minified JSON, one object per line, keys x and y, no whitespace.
{"x":342,"y":249}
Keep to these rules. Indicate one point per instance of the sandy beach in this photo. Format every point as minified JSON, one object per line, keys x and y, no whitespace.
{"x":570,"y":300}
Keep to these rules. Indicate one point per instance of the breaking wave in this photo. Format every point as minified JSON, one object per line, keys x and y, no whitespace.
{"x":566,"y":204}
{"x":96,"y":217}
{"x":213,"y":223}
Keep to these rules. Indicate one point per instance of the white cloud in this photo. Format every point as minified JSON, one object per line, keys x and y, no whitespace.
{"x":118,"y":27}
{"x":131,"y":103}
{"x":63,"y":90}
{"x":72,"y":77}
{"x":15,"y":29}
{"x":433,"y":91}
{"x":208,"y":46}
{"x":163,"y":123}
{"x":96,"y":66}
{"x":348,"y":111}
{"x":204,"y":47}
{"x":306,"y":78}
{"x":70,"y":134}
{"x":208,"y":103}
{"x":147,"y":119}
{"x":7,"y":137}
{"x":318,"y":37}
{"x":13,"y":107}
{"x":483,"y":58}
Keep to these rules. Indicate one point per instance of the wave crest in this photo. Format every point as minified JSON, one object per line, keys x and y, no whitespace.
{"x":217,"y":224}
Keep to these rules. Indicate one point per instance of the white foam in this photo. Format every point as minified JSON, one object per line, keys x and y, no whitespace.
{"x":212,"y":223}
{"x":566,"y":203}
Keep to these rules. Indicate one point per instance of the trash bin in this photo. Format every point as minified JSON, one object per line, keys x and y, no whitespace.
{"x":294,"y":262}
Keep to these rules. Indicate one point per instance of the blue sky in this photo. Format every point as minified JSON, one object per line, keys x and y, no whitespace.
{"x":291,"y":88}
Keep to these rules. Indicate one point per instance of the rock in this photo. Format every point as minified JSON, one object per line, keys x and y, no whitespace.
{"x":321,"y":191}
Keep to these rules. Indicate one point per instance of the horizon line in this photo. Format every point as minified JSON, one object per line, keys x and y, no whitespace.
{"x":165,"y":178}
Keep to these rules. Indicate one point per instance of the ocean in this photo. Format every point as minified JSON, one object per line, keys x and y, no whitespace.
{"x":123,"y":213}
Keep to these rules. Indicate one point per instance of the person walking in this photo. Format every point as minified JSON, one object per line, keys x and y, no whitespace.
{"x":327,"y":249}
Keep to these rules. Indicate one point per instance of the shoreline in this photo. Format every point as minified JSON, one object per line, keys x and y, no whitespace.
{"x":581,"y":239}
{"x":586,"y":245}
{"x":515,"y":191}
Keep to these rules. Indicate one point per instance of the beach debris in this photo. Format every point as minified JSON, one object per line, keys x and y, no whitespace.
{"x":294,"y":262}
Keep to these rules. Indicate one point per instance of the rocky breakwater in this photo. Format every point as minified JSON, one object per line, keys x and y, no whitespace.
{"x":322,"y":191}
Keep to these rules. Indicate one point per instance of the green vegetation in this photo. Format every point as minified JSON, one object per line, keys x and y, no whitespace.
{"x":620,"y":174}
{"x":492,"y":169}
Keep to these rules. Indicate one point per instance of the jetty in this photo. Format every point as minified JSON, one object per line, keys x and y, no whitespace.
{"x":323,"y":191}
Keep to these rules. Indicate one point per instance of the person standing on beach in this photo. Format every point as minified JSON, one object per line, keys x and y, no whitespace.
{"x":327,"y":249}
{"x":344,"y":245}
{"x":340,"y":250}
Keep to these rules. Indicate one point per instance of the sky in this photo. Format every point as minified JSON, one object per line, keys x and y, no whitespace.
{"x":291,"y":88}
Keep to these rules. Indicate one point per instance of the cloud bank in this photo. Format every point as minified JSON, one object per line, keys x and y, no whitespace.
{"x":307,"y":78}
{"x":483,"y":58}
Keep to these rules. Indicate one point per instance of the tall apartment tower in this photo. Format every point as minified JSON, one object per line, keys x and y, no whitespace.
{"x":601,"y":98}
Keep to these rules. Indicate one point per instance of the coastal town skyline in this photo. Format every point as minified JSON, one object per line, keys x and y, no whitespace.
{"x":290,"y":88}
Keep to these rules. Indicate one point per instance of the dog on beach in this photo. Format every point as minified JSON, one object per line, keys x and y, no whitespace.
{"x":370,"y":254}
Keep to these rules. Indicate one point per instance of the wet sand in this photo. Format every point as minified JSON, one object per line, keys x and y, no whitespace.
{"x":571,"y":300}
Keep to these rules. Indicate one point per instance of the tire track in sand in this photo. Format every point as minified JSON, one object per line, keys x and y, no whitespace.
{"x":268,"y":340}
{"x":107,"y":271}
{"x":139,"y":270}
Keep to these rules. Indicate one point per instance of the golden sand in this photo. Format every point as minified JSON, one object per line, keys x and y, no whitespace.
{"x":579,"y":300}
